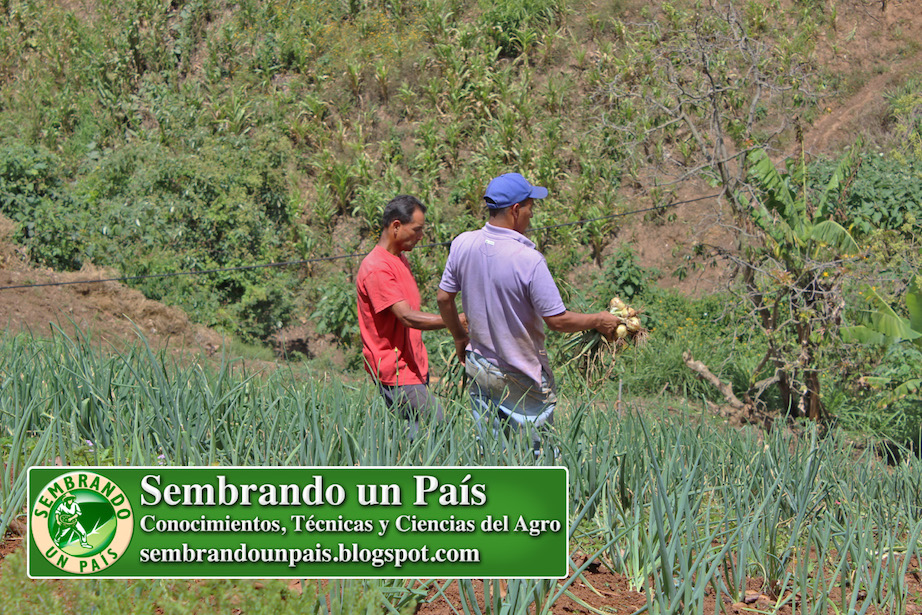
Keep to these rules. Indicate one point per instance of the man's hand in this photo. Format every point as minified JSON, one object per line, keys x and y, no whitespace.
{"x":461,"y":348}
{"x":608,"y":322}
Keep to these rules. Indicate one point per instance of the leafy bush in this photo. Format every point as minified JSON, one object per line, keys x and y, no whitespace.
{"x":225,"y":206}
{"x":621,"y":276}
{"x":884,"y":194}
{"x":51,"y":222}
{"x":896,"y":407}
{"x":335,"y":311}
{"x":264,"y":308}
{"x":901,"y":416}
{"x":906,"y":110}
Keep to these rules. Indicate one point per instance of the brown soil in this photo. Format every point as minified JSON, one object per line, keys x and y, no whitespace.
{"x":107,"y":312}
{"x":873,"y":46}
{"x":603,"y":591}
{"x":667,"y":241}
{"x":12,"y":544}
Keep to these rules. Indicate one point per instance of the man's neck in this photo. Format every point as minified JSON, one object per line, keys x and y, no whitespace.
{"x":389,"y":244}
{"x":502,"y":221}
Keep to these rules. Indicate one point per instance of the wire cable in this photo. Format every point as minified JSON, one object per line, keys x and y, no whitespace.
{"x":319,"y":259}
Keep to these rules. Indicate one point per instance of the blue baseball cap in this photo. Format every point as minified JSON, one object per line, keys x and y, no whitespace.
{"x":509,"y":189}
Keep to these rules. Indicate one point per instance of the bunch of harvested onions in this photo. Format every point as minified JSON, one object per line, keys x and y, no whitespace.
{"x":593,"y":354}
{"x":631,"y":329}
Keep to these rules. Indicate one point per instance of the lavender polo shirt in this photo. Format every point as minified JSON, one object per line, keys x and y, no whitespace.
{"x":506,"y":291}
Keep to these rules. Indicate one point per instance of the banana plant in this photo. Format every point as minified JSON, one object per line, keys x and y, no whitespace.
{"x":880,"y":324}
{"x":796,"y":228}
{"x":792,"y":274}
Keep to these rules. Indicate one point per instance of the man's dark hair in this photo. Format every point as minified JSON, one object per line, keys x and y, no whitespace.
{"x":496,"y":211}
{"x":401,"y":208}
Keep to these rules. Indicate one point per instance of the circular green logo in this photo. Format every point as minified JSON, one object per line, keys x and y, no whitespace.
{"x":82,"y":522}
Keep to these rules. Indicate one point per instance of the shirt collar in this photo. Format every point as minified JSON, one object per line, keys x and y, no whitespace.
{"x":383,"y":250}
{"x":507,"y":233}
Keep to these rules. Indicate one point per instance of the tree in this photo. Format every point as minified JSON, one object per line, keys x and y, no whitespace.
{"x":696,"y":91}
{"x":706,"y":95}
{"x":792,"y":279}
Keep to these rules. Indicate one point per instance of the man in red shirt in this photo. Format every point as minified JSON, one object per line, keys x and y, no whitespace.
{"x":390,"y":319}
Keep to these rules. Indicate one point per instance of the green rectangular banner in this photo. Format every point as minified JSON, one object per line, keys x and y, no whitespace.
{"x":305,"y":522}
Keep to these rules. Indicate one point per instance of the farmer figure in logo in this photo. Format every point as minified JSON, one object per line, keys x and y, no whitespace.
{"x":67,"y":516}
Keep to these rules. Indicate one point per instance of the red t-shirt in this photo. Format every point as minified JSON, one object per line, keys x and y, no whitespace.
{"x":393,"y":353}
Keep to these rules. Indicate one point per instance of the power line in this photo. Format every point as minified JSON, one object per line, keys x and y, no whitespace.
{"x":629,"y":213}
{"x":133,"y":278}
{"x":319,"y":259}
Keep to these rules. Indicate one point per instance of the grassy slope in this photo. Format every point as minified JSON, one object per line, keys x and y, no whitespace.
{"x":156,"y":138}
{"x":207,"y":134}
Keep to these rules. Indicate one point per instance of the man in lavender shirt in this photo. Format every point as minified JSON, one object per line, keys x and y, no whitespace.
{"x":508,"y":295}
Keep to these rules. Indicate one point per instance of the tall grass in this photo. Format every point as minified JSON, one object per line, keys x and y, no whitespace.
{"x":679,"y":507}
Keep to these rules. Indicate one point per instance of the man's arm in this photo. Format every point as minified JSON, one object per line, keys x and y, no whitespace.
{"x":572,"y":322}
{"x":416,"y":319}
{"x":448,"y":308}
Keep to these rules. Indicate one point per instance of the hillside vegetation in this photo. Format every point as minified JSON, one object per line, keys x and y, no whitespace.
{"x":154,"y":137}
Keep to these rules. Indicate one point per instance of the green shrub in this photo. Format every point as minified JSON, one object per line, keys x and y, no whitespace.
{"x":884,"y":194}
{"x":264,"y":308}
{"x":225,"y":206}
{"x":51,"y":222}
{"x":621,"y":276}
{"x":335,"y":311}
{"x":901,"y":416}
{"x":906,"y":111}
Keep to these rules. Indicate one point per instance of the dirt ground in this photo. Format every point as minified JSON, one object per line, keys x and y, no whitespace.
{"x":108,"y":312}
{"x":603,"y":591}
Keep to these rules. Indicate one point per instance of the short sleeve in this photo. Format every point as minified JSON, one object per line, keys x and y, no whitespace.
{"x":383,"y":289}
{"x":449,"y":282}
{"x":545,"y":295}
